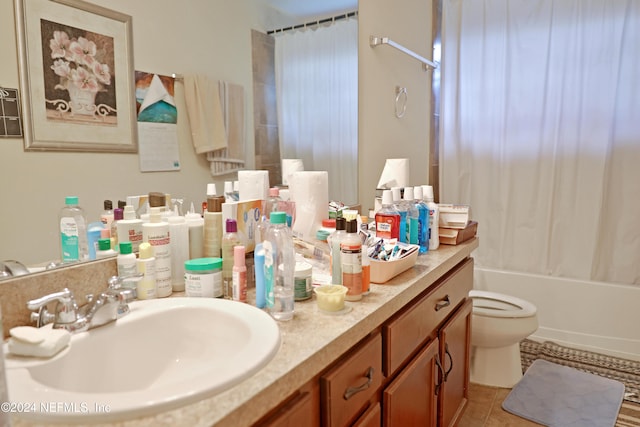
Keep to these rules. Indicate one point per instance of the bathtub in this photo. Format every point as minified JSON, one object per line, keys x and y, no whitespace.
{"x":594,"y":316}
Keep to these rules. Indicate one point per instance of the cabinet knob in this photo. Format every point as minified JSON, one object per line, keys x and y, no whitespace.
{"x":444,"y":302}
{"x":354,"y":390}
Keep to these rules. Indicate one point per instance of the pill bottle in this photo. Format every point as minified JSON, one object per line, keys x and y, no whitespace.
{"x":203,"y":277}
{"x":302,"y":281}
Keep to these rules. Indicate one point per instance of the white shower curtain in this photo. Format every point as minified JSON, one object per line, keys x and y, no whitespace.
{"x":317,"y":97}
{"x":541,"y":133}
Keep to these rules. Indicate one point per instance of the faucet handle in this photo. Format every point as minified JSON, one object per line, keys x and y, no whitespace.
{"x":117,"y":282}
{"x":66,"y":307}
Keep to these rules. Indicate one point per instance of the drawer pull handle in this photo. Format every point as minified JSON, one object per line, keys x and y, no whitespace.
{"x":354,"y":390}
{"x":446,"y":350}
{"x":445,"y":302}
{"x":439,"y":383}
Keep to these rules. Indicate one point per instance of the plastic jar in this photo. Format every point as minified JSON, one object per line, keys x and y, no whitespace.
{"x":302,"y":281}
{"x":203,"y":277}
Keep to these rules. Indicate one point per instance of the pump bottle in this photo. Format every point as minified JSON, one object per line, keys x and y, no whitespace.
{"x":156,"y":233}
{"x":229,"y":240}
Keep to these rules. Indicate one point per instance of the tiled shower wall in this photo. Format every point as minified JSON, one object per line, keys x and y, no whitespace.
{"x":265,"y":117}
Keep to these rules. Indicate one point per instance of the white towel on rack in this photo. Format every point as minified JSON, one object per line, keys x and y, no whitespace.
{"x":205,"y":114}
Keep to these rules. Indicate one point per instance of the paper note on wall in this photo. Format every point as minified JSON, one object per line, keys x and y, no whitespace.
{"x":157,"y":123}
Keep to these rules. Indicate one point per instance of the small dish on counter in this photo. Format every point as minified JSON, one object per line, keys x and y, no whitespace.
{"x":330,"y":298}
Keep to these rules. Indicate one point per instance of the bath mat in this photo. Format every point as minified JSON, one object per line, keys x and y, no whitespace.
{"x":559,"y":396}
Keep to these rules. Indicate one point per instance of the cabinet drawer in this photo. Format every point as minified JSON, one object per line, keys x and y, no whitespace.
{"x":412,"y":328}
{"x":347,"y":388}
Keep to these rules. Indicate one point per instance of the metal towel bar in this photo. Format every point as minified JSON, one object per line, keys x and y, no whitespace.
{"x":426,"y":64}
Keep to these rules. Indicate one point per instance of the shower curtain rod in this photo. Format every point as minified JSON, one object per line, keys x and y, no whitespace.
{"x":312,"y":23}
{"x":426,"y":64}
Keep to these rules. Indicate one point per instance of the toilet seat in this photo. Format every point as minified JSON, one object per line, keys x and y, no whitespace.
{"x":493,"y":304}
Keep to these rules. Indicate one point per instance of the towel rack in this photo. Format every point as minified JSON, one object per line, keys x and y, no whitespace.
{"x":426,"y":64}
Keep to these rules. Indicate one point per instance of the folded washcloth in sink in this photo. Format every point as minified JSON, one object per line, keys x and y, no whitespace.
{"x":37,"y":342}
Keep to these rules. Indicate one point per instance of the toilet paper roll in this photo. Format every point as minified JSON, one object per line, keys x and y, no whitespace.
{"x":310,"y":192}
{"x":394,"y":174}
{"x":290,"y":166}
{"x":253,"y":184}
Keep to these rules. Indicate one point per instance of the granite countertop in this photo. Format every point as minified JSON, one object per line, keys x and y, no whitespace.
{"x":310,"y":343}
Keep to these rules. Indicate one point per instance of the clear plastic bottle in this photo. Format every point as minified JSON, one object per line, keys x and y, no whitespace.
{"x":387,"y":218}
{"x":351,"y":261}
{"x":72,"y":225}
{"x":213,"y":227}
{"x":273,"y":201}
{"x":423,"y":220}
{"x":279,"y":267}
{"x":399,"y":205}
{"x":229,"y":240}
{"x":413,"y":216}
{"x":434,"y":217}
{"x":334,"y":240}
{"x":106,"y":217}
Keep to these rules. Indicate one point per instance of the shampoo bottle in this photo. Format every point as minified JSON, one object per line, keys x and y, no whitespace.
{"x":118,"y":214}
{"x":106,"y":217}
{"x":104,"y":249}
{"x":146,"y":265}
{"x":213,"y":227}
{"x":156,"y":233}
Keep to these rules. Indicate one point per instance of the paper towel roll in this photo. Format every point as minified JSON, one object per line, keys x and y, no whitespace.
{"x":310,"y":192}
{"x":253,"y":184}
{"x":290,"y":166}
{"x":394,"y":174}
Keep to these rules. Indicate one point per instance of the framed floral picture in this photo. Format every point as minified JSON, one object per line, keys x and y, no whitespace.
{"x":76,"y":77}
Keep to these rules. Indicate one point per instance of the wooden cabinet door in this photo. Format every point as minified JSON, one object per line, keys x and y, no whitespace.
{"x":455,"y":341}
{"x":410,"y":400}
{"x":371,"y":418}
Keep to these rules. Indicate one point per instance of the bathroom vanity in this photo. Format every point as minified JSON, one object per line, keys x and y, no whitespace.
{"x":398,"y":357}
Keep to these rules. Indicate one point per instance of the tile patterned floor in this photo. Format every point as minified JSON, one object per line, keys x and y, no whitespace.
{"x":484,"y":409}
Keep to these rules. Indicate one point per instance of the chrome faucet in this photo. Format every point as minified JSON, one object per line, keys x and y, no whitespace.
{"x":108,"y":306}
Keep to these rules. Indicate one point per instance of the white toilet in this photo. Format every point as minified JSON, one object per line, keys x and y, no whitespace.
{"x":498,"y":323}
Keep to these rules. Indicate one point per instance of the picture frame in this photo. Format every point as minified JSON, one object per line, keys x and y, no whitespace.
{"x":76,"y":76}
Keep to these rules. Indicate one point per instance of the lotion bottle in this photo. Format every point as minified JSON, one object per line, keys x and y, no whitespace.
{"x":126,"y":260}
{"x":239,"y":274}
{"x":434,"y":217}
{"x":351,"y":261}
{"x":146,"y":265}
{"x":179,"y":230}
{"x":334,"y":240}
{"x":104,"y":249}
{"x":130,"y":228}
{"x":195,"y":223}
{"x":156,"y":233}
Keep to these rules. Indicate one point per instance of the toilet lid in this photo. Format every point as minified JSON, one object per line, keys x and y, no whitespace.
{"x":492,"y":304}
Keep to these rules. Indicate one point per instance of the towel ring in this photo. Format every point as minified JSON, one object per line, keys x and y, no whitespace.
{"x":401,"y":101}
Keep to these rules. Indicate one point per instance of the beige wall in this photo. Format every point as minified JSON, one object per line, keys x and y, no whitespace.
{"x":381,"y":134}
{"x":203,"y":39}
{"x":168,"y":38}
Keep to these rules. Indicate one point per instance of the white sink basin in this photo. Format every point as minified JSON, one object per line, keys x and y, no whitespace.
{"x":165,"y":353}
